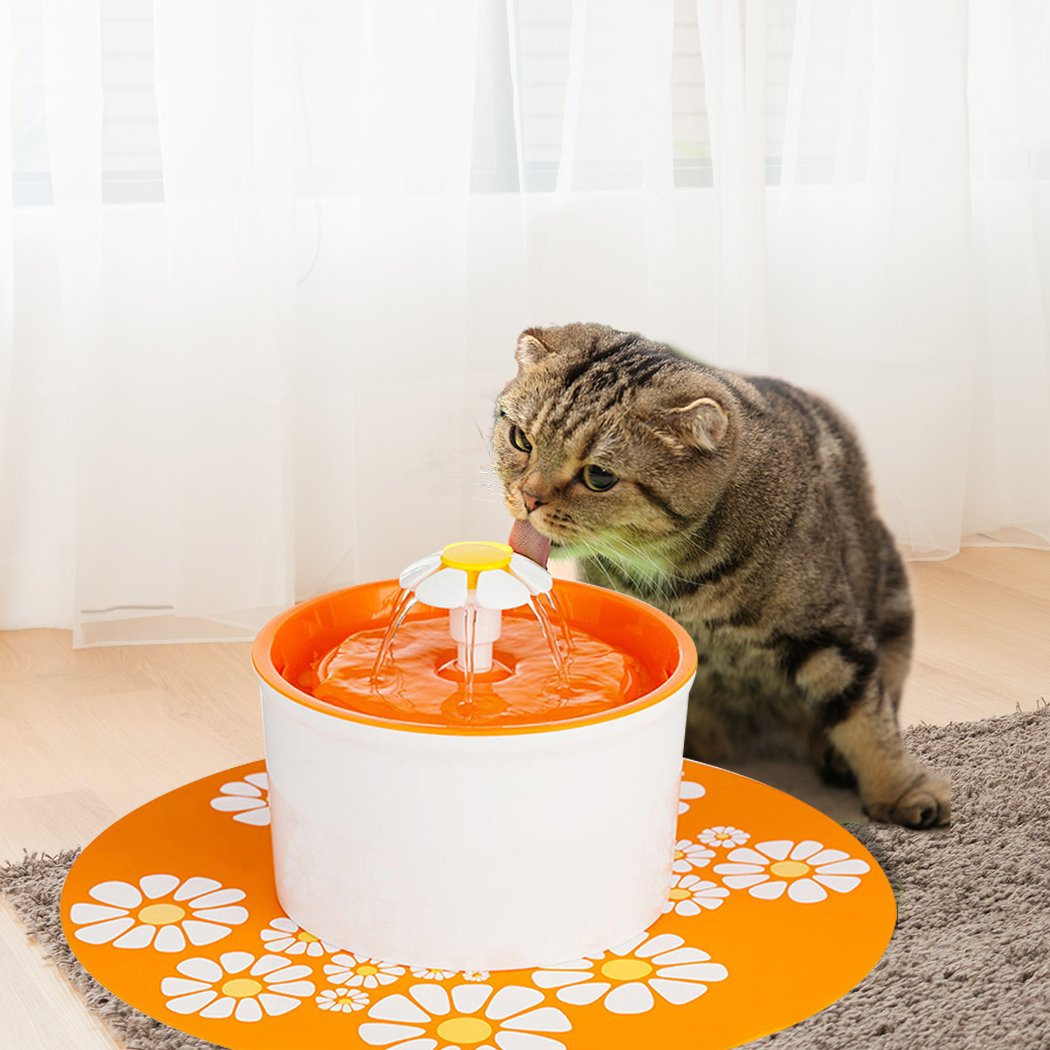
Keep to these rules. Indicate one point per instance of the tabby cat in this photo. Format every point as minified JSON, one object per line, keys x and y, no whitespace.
{"x":741,"y":507}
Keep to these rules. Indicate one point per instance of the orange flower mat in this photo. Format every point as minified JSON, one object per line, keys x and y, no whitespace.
{"x":774,"y":911}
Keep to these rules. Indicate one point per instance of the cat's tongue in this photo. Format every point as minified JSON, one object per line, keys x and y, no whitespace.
{"x":527,"y":542}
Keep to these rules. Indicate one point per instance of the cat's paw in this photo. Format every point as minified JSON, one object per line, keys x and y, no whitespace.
{"x":926,"y":804}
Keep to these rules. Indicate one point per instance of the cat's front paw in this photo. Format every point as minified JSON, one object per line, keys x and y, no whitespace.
{"x":926,"y":804}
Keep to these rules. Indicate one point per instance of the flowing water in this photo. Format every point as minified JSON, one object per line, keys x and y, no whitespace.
{"x":540,"y":672}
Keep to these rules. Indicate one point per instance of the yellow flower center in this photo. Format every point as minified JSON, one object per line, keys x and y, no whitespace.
{"x":306,"y":938}
{"x":344,"y":1000}
{"x":626,"y":969}
{"x":679,"y":854}
{"x":678,"y":894}
{"x":468,"y":1030}
{"x":366,"y":969}
{"x":721,"y":834}
{"x":161,"y":914}
{"x":241,"y":988}
{"x":789,"y":869}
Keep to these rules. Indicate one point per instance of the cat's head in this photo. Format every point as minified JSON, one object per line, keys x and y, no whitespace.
{"x":605,"y":439}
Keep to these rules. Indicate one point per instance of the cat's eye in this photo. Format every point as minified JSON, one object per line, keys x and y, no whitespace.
{"x":597,"y":479}
{"x":519,"y":440}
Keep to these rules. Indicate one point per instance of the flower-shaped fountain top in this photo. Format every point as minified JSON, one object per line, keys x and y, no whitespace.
{"x":475,"y":581}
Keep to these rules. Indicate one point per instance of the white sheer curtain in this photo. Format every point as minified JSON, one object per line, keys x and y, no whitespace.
{"x":250,"y":355}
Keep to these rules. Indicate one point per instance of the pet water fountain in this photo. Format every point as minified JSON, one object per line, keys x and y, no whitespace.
{"x":470,"y":767}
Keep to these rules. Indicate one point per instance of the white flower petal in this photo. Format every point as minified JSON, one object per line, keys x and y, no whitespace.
{"x":290,"y":973}
{"x":300,"y":988}
{"x":512,"y":1000}
{"x":545,"y":1019}
{"x":838,"y":883}
{"x":235,"y":962}
{"x":680,"y":955}
{"x":469,"y":998}
{"x":805,"y":849}
{"x":217,"y":899}
{"x":777,"y":850}
{"x":524,"y":1041}
{"x":234,"y":914}
{"x":181,"y":986}
{"x":742,"y":882}
{"x":220,"y":1009}
{"x":826,"y":856}
{"x":677,"y":992}
{"x":201,"y":969}
{"x":853,"y":866}
{"x":626,"y":947}
{"x":240,"y":787}
{"x":119,"y":894}
{"x":768,"y":891}
{"x":103,"y":932}
{"x":201,"y":933}
{"x":170,"y":939}
{"x":690,"y":789}
{"x":583,"y":994}
{"x":259,"y":817}
{"x":687,"y":907}
{"x":275,"y":1004}
{"x":190,"y":1004}
{"x":705,"y":972}
{"x":154,"y":886}
{"x":432,"y":997}
{"x":558,"y":978}
{"x":662,"y":942}
{"x":385,"y":1034}
{"x":688,"y":880}
{"x":268,"y":963}
{"x":85,"y":913}
{"x":806,"y":891}
{"x":398,"y":1008}
{"x":446,"y":589}
{"x":739,"y":866}
{"x":195,"y":887}
{"x":248,"y":1010}
{"x":282,"y":923}
{"x":631,"y":998}
{"x":260,"y":780}
{"x":139,"y":937}
{"x":418,"y":1044}
{"x":236,"y":803}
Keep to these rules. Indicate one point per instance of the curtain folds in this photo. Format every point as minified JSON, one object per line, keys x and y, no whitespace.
{"x":274,"y":376}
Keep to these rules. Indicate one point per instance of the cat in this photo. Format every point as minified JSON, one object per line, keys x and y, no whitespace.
{"x":741,"y":506}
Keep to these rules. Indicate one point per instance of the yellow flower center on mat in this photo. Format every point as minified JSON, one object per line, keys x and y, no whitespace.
{"x":161,"y":914}
{"x":467,"y":1030}
{"x":626,"y":969}
{"x":241,"y":988}
{"x":789,"y":869}
{"x":678,"y":894}
{"x":366,"y":970}
{"x":721,"y":834}
{"x":344,"y":1000}
{"x":679,"y":854}
{"x":306,"y":938}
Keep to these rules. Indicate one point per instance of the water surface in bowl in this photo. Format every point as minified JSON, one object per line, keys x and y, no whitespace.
{"x":420,"y":682}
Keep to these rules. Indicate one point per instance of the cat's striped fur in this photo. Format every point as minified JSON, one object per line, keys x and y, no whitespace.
{"x":743,"y":509}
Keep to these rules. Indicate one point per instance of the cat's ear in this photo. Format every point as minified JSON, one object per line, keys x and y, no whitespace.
{"x":531,"y":350}
{"x":702,"y":423}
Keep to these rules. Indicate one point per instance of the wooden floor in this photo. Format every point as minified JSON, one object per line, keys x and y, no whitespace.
{"x":87,"y":736}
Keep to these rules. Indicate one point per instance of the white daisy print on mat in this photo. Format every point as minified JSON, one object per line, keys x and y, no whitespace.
{"x":238,"y":985}
{"x":465,"y":1017}
{"x":625,"y":977}
{"x":723,"y":836}
{"x":688,"y":855}
{"x":804,"y":870}
{"x":359,"y":971}
{"x":162,"y":911}
{"x":344,"y":1001}
{"x":432,"y":975}
{"x":689,"y":895}
{"x":475,"y":975}
{"x":247,"y":799}
{"x":689,"y":791}
{"x":285,"y":936}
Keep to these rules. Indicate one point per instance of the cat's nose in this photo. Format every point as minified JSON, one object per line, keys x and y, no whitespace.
{"x":531,"y":502}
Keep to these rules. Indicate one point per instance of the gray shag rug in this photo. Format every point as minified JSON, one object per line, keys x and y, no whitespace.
{"x":969,"y":964}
